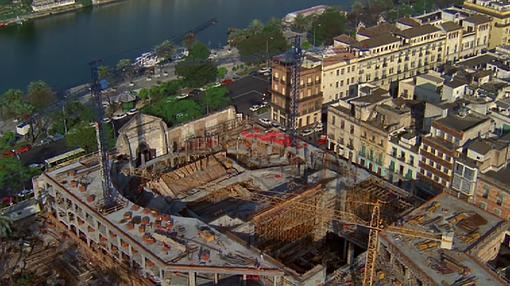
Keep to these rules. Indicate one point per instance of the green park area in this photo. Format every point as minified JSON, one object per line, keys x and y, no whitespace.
{"x":10,"y":9}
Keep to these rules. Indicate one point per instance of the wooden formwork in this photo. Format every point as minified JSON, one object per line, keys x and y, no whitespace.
{"x":291,"y":220}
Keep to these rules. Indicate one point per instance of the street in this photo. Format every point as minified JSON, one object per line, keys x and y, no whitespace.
{"x":249,"y":91}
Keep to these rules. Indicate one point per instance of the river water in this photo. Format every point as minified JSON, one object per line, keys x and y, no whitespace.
{"x":57,"y":49}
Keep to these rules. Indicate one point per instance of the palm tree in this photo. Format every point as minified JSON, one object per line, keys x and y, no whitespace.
{"x":5,"y":226}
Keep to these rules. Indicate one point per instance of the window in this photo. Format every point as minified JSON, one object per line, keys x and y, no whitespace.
{"x":333,"y":119}
{"x":394,"y":152}
{"x":483,"y":205}
{"x":403,"y":155}
{"x":411,"y":159}
{"x":342,"y":124}
{"x":352,"y":129}
{"x":497,"y":212}
{"x":499,"y":199}
{"x":485,"y":193}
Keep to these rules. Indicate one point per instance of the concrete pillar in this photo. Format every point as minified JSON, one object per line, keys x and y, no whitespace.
{"x":192,"y":279}
{"x":244,"y":280}
{"x":216,"y":279}
{"x":275,"y":280}
{"x":350,"y":253}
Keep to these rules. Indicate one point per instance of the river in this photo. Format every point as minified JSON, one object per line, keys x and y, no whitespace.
{"x":57,"y":49}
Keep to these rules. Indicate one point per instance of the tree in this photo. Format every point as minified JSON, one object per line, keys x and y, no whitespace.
{"x":72,"y":114}
{"x":257,"y":46}
{"x":83,"y":135}
{"x":40,"y":95}
{"x":302,"y":24}
{"x":197,"y":69}
{"x":7,"y":141}
{"x":104,"y":72}
{"x":215,"y":99}
{"x":5,"y":227}
{"x":255,"y":26}
{"x":125,"y":66}
{"x":222,"y":72}
{"x":326,"y":26}
{"x":199,"y":52}
{"x":13,"y":105}
{"x":165,"y":50}
{"x":13,"y":174}
{"x":175,"y":112}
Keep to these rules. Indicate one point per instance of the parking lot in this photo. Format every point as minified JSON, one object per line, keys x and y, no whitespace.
{"x":249,"y":91}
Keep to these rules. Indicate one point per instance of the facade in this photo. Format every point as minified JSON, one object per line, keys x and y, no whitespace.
{"x":441,"y":148}
{"x":404,"y":156}
{"x":499,"y":13}
{"x":493,"y":192}
{"x":146,"y":137}
{"x":359,"y":128}
{"x":42,"y":5}
{"x":388,"y":53}
{"x":140,"y":237}
{"x":309,"y":103}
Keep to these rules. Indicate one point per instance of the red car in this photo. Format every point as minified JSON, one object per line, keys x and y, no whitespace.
{"x":9,"y":154}
{"x":227,"y":82}
{"x":23,"y":149}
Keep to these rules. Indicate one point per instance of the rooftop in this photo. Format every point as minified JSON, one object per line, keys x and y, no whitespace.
{"x":377,"y":41}
{"x":443,"y":214}
{"x":450,"y":26}
{"x":409,"y":22}
{"x":172,"y":240}
{"x":377,"y":30}
{"x":418,"y":31}
{"x":501,"y":176}
{"x":477,"y":19}
{"x":461,"y":123}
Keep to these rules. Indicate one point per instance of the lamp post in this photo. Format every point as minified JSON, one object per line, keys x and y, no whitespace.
{"x":267,"y":51}
{"x":314,"y":28}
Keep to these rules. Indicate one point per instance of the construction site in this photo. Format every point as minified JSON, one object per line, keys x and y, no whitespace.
{"x":224,"y":201}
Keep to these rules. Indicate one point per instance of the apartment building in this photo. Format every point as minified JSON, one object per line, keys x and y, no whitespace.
{"x":387,"y":53}
{"x":480,"y":157}
{"x":44,"y":5}
{"x":493,"y":192}
{"x":443,"y":146}
{"x":309,"y":103}
{"x":404,"y":156}
{"x":499,"y":13}
{"x":359,"y":127}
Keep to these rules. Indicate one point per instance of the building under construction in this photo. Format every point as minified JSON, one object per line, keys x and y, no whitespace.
{"x":234,"y":202}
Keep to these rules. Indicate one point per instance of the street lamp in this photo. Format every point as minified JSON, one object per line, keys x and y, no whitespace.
{"x":315,"y":27}
{"x":267,"y":50}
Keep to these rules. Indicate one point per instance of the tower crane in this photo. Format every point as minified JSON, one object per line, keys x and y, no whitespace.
{"x":375,"y":226}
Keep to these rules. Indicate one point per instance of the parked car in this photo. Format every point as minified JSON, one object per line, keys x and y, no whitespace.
{"x":23,"y":149}
{"x":132,"y":111}
{"x":9,"y":154}
{"x":38,"y":166}
{"x":307,"y":132}
{"x":275,"y":124}
{"x":226,"y":82}
{"x":25,"y":193}
{"x":264,"y":70}
{"x":254,"y":108}
{"x":265,"y":121}
{"x":319,"y":127}
{"x":56,"y":137}
{"x":182,"y":96}
{"x":8,"y":201}
{"x":282,"y":128}
{"x":119,"y":116}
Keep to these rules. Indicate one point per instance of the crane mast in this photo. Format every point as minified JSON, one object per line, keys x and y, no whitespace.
{"x":102,"y":138}
{"x":297,"y":58}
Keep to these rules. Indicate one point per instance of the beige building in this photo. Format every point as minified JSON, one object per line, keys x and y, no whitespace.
{"x":499,"y":13}
{"x":309,"y":103}
{"x":359,"y":128}
{"x":387,"y":53}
